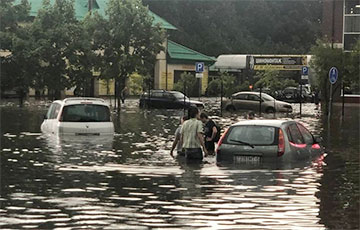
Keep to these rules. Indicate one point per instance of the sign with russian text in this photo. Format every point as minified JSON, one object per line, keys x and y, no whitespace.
{"x":278,"y":62}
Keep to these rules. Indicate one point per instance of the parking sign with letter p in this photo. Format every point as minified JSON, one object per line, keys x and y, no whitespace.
{"x":199,"y":67}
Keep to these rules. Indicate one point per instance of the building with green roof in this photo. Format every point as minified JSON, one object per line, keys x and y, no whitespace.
{"x":180,"y":59}
{"x":169,"y":64}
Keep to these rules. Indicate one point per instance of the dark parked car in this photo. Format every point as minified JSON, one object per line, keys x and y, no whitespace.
{"x":163,"y":99}
{"x":255,"y":141}
{"x":292,"y":94}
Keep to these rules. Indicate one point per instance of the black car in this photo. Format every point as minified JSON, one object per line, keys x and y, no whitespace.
{"x":163,"y":99}
{"x":292,"y":94}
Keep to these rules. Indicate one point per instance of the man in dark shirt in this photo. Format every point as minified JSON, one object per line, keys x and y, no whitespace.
{"x":210,"y":131}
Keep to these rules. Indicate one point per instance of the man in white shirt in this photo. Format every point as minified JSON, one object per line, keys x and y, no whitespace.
{"x":192,"y":136}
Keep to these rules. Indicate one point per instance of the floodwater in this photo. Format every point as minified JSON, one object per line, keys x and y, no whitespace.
{"x":131,"y":182}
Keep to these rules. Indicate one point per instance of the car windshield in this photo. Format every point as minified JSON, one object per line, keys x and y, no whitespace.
{"x":179,"y":95}
{"x":267,"y":97}
{"x":251,"y":134}
{"x":86,"y":113}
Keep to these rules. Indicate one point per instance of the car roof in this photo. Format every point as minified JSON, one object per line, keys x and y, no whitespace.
{"x":268,"y":122}
{"x":82,"y":100}
{"x":249,"y":92}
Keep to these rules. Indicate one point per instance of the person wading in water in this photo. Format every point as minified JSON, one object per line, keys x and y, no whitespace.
{"x":192,"y":136}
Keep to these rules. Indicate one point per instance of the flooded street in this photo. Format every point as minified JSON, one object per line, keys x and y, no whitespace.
{"x":132,"y":182}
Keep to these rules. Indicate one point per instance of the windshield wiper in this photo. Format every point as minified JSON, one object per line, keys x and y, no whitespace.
{"x":244,"y":143}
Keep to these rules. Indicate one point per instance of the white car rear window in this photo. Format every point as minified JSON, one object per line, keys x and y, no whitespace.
{"x":255,"y":135}
{"x":85,"y":113}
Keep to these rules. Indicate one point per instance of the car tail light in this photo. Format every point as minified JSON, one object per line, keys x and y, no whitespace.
{"x":315,"y":146}
{"x":281,"y":144}
{"x":298,"y":145}
{"x":221,"y":141}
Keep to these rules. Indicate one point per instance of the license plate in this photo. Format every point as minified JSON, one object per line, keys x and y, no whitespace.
{"x":247,"y":159}
{"x":87,"y":134}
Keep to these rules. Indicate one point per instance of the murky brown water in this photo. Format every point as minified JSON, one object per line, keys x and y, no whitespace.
{"x":131,"y":182}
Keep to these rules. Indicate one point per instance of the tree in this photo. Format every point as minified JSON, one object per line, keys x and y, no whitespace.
{"x":252,"y":26}
{"x":325,"y":57}
{"x":81,"y":65}
{"x":347,"y":63}
{"x":129,"y":41}
{"x":189,"y":81}
{"x":54,"y":30}
{"x":274,"y":80}
{"x":17,"y":66}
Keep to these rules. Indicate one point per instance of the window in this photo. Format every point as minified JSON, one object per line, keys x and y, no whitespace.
{"x":169,"y":96}
{"x":352,"y":24}
{"x":266,"y":97}
{"x":253,"y":97}
{"x":179,"y":95}
{"x":306,"y":134}
{"x":256,"y":135}
{"x":295,"y":135}
{"x":157,"y":94}
{"x":240,"y":97}
{"x":86,"y":113}
{"x":53,"y":111}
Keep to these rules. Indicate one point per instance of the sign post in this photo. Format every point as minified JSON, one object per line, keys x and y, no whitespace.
{"x":304,"y":76}
{"x":199,"y":67}
{"x":333,"y":76}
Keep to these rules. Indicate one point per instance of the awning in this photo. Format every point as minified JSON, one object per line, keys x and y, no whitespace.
{"x":231,"y":62}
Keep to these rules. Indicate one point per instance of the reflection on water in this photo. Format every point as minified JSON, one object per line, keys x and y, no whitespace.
{"x":129,"y":181}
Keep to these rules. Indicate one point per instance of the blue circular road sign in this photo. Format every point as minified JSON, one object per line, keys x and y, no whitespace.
{"x":333,"y":75}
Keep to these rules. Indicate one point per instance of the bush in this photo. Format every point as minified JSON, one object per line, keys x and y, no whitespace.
{"x":190,"y":84}
{"x":214,"y":88}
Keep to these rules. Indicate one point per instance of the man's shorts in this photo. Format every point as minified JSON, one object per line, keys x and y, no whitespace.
{"x":193,"y":154}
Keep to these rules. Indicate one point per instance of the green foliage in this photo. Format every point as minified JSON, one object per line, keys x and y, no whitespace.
{"x":15,"y":68}
{"x":274,"y":80}
{"x":135,"y":84}
{"x":55,"y":30}
{"x":214,"y":87}
{"x":325,"y":57}
{"x":229,"y":86}
{"x":55,"y":51}
{"x":126,"y":38}
{"x":190,"y":84}
{"x":11,"y":16}
{"x":256,"y":26}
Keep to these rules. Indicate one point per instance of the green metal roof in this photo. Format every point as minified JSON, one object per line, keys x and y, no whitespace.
{"x":163,"y":23}
{"x":81,"y":10}
{"x":178,"y":52}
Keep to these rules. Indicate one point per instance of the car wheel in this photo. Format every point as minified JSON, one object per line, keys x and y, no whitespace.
{"x":230,"y":108}
{"x":270,"y":110}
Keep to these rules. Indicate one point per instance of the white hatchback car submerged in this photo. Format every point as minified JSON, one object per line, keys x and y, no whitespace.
{"x":78,"y":116}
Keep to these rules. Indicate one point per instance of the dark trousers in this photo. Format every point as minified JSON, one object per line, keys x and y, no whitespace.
{"x":193,"y":154}
{"x":210,"y":146}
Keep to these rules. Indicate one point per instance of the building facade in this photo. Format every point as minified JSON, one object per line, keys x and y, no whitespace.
{"x":341,"y":22}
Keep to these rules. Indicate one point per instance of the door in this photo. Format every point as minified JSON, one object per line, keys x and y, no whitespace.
{"x":50,"y":123}
{"x":297,"y":143}
{"x":157,"y":100}
{"x":309,"y":140}
{"x":253,"y":102}
{"x":240,"y":101}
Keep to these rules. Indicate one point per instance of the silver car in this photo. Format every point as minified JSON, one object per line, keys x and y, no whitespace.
{"x":255,"y":141}
{"x":251,"y":101}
